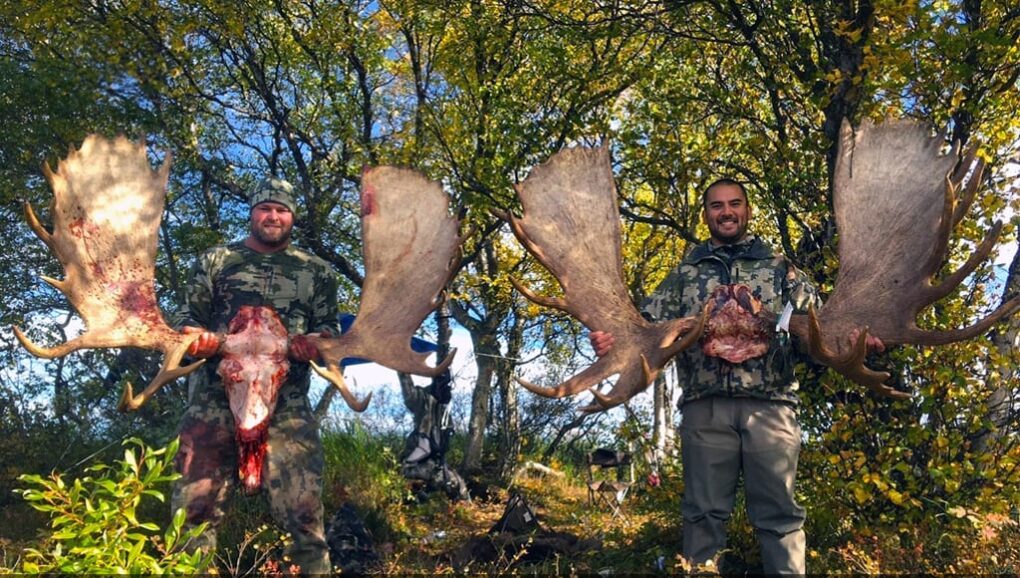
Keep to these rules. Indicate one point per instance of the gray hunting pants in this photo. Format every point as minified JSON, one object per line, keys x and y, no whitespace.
{"x":721,"y":438}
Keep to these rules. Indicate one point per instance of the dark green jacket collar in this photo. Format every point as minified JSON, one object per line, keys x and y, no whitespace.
{"x":751,"y":248}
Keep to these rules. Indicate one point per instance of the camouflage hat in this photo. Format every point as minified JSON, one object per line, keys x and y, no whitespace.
{"x":275,"y":190}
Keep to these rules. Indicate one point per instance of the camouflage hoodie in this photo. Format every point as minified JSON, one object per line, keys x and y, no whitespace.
{"x":301,"y":287}
{"x":773,"y":280}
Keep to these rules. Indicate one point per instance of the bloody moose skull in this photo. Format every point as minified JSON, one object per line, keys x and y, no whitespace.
{"x":253,"y":366}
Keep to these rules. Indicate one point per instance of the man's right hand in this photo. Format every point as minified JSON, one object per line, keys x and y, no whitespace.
{"x":205,"y":346}
{"x":601,"y":342}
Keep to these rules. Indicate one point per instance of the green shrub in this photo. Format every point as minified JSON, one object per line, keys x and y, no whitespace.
{"x":94,"y":522}
{"x":364,"y":469}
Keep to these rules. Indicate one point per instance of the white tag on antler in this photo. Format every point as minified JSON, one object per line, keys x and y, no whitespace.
{"x":784,"y":320}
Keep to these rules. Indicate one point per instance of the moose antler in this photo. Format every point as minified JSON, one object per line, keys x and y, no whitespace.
{"x":407,"y":233}
{"x":896,"y":204}
{"x":107,"y":205}
{"x":572,"y":226}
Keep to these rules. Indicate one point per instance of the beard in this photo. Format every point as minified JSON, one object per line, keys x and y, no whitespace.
{"x":728,"y":238}
{"x":272,"y":236}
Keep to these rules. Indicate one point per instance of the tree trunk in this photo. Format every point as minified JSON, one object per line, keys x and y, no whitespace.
{"x":663,"y":430}
{"x":510,"y":424}
{"x":482,"y":317}
{"x":1006,"y":340}
{"x":322,"y":406}
{"x":486,"y":353}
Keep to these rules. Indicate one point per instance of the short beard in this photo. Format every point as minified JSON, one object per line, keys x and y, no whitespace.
{"x":271,"y":242}
{"x":730,"y":239}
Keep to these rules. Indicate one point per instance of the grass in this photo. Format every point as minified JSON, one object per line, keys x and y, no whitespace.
{"x":437,"y":536}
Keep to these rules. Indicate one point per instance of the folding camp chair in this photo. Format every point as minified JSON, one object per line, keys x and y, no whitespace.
{"x":608,"y":494}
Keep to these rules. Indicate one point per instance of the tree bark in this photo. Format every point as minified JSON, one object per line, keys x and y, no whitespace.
{"x":510,"y":424}
{"x":1006,"y":340}
{"x":486,"y":353}
{"x":482,"y":317}
{"x":663,"y":430}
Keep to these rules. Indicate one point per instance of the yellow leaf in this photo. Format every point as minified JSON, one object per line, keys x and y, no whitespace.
{"x":958,"y":511}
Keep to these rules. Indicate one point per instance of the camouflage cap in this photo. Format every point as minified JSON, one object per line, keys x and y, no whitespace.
{"x":275,"y":190}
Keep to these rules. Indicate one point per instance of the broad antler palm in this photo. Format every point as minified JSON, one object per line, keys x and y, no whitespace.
{"x":572,"y":226}
{"x":897,"y":200}
{"x":411,"y":250}
{"x":108,"y":203}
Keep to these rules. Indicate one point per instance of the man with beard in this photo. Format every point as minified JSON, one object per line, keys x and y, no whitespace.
{"x":263,"y":269}
{"x":739,"y":417}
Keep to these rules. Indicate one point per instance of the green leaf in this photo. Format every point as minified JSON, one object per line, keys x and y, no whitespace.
{"x":129,"y":459}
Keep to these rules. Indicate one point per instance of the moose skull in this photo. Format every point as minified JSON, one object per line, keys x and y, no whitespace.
{"x":254,"y":364}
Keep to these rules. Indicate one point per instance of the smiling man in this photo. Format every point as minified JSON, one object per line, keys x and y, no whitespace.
{"x":263,"y":271}
{"x":739,"y":419}
{"x":740,"y":399}
{"x":271,"y":225}
{"x":726,"y":212}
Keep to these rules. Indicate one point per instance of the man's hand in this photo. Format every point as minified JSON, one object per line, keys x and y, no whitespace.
{"x":205,"y":346}
{"x":872,"y":343}
{"x":302,"y":349}
{"x":601,"y":342}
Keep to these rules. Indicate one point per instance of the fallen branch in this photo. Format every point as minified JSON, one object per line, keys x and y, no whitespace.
{"x":543,"y":469}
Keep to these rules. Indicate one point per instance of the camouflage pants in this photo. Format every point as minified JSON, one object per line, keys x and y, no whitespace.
{"x":292,"y":473}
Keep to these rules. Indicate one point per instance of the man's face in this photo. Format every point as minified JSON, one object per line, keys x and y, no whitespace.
{"x":726,"y":213}
{"x":271,"y":224}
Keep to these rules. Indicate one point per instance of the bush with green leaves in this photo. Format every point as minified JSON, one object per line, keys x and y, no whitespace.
{"x":94,"y":521}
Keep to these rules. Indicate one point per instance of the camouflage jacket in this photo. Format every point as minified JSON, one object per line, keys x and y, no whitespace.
{"x":773,"y":280}
{"x":301,"y":287}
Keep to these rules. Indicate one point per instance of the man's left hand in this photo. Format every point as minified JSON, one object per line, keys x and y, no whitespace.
{"x":302,"y":349}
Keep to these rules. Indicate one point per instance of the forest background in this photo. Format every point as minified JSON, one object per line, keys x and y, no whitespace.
{"x":475,"y":93}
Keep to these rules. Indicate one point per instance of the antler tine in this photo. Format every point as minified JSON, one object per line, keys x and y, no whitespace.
{"x":957,"y":203}
{"x":613,"y":398}
{"x":965,"y":197}
{"x":950,"y":283}
{"x":592,"y":375}
{"x":944,"y":337}
{"x":168,"y":372}
{"x":818,"y":349}
{"x":552,"y":302}
{"x":945,"y":227}
{"x":50,"y":352}
{"x":851,"y":364}
{"x":37,"y":226}
{"x":692,"y":335}
{"x":525,"y":239}
{"x":331,"y":373}
{"x":441,"y":366}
